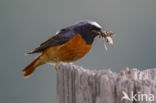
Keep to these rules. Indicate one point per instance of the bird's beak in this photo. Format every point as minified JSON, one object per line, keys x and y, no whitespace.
{"x":107,"y":36}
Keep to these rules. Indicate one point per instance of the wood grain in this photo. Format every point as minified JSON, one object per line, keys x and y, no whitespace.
{"x":78,"y":85}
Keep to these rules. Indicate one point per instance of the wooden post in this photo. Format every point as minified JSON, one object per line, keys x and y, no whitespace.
{"x":78,"y":85}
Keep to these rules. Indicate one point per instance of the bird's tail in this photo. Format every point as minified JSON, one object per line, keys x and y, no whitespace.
{"x":32,"y":67}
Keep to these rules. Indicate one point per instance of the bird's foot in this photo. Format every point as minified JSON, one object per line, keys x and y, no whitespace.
{"x":57,"y":64}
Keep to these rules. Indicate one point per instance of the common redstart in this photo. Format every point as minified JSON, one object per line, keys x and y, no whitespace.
{"x":69,"y":44}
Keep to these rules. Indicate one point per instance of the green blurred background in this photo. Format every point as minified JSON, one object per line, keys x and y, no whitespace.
{"x":24,"y":24}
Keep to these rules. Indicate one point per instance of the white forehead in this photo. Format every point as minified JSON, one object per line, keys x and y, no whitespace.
{"x":95,"y":24}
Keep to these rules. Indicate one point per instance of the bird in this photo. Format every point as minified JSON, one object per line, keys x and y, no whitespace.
{"x":69,"y":44}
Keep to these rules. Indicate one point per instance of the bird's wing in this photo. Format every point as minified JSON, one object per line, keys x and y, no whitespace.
{"x":63,"y":36}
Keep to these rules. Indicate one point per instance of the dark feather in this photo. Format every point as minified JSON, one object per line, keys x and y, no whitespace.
{"x":63,"y":36}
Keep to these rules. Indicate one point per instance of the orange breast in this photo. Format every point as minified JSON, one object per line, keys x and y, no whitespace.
{"x":73,"y":50}
{"x":68,"y":52}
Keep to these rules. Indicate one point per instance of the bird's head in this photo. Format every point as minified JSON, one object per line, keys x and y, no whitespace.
{"x":90,"y":29}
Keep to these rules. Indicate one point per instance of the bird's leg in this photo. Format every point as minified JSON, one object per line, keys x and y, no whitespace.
{"x":56,"y":65}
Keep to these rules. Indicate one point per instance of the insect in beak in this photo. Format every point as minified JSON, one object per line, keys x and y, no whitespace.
{"x":107,"y":35}
{"x":109,"y":40}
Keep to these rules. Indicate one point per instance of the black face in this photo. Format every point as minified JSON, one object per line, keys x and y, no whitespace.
{"x":88,"y":31}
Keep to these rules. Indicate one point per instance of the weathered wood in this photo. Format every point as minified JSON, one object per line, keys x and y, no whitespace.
{"x":78,"y":85}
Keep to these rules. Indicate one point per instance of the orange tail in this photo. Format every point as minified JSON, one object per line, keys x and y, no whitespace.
{"x":32,"y":67}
